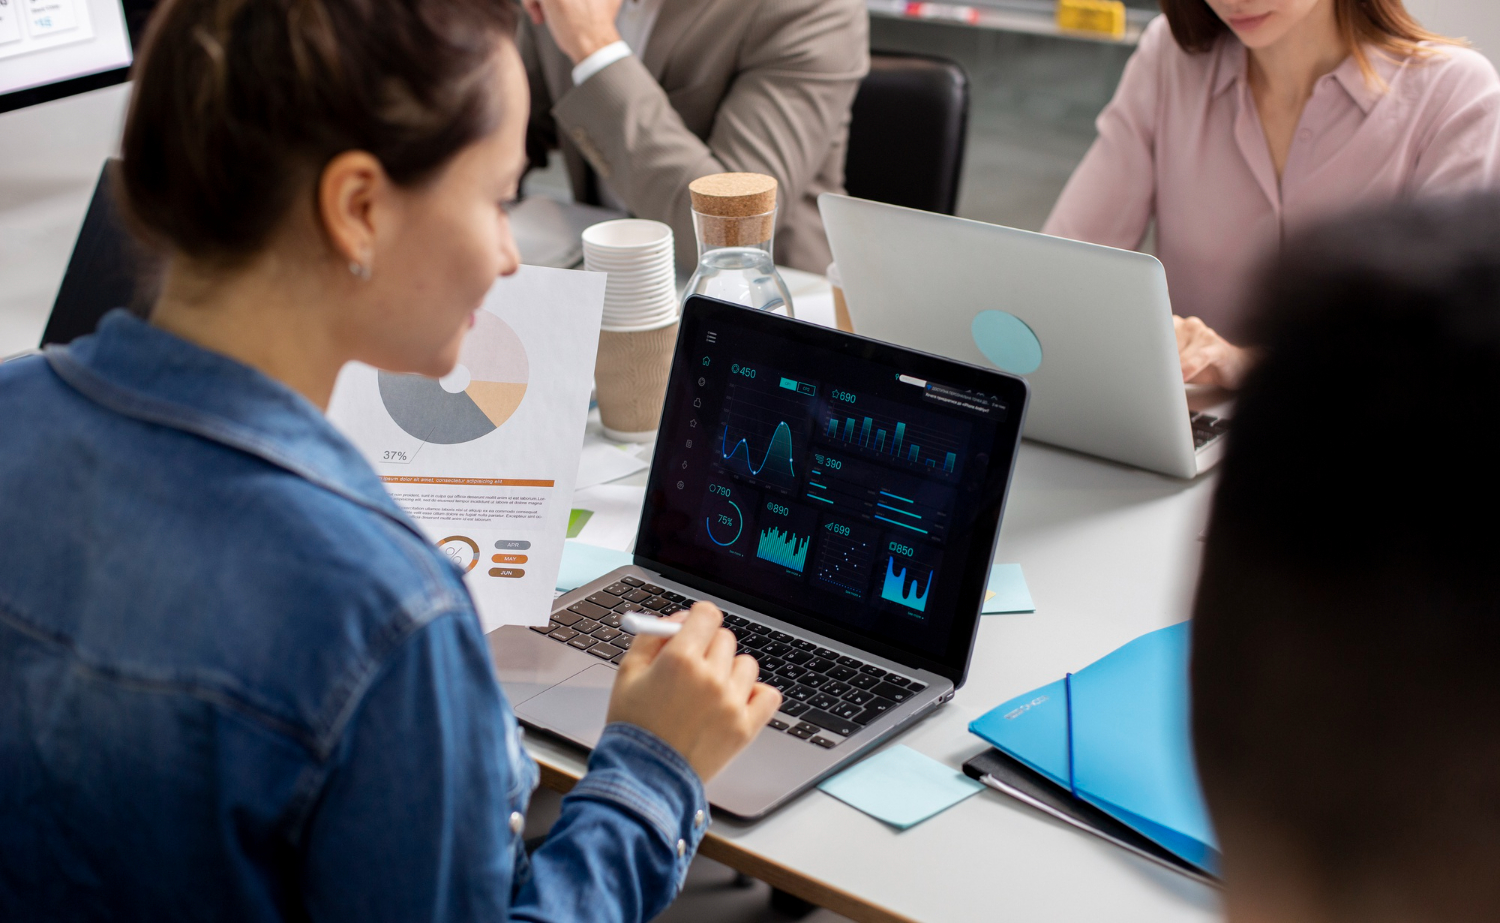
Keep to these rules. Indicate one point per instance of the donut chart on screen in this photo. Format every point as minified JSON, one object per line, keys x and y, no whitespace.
{"x":486,"y":388}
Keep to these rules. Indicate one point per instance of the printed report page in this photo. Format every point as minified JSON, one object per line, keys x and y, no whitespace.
{"x":46,"y":41}
{"x":485,"y":458}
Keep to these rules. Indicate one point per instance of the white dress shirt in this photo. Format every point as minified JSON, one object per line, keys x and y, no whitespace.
{"x":634,"y":23}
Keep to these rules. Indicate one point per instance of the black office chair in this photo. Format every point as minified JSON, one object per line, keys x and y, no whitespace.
{"x":107,"y":270}
{"x":906,"y":138}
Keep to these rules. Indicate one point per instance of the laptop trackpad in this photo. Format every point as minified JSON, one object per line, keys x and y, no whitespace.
{"x":574,"y":709}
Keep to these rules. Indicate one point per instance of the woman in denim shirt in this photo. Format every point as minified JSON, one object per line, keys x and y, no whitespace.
{"x":236,"y":682}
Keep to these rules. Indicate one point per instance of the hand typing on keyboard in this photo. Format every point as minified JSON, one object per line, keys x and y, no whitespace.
{"x":693,"y":692}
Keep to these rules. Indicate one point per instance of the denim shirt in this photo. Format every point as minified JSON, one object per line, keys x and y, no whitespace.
{"x":237,"y":683}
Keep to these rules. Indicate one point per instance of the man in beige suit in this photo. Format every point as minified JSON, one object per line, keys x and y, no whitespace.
{"x":645,"y":96}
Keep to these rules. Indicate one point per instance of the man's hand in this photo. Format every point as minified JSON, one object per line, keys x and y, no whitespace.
{"x":693,"y":692}
{"x":580,"y":27}
{"x":1206,"y":357}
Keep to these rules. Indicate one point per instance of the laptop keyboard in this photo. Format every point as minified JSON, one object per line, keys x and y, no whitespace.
{"x":827,"y":695}
{"x":1206,"y":428}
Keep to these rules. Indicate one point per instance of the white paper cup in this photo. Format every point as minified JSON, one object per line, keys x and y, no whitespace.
{"x":625,"y":294}
{"x":649,"y":251}
{"x":639,"y":308}
{"x":637,"y":268}
{"x":635,"y":235}
{"x":642,"y":317}
{"x":640,"y":293}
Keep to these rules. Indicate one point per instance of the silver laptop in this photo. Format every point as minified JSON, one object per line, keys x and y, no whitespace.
{"x":839,"y":499}
{"x":1089,"y":327}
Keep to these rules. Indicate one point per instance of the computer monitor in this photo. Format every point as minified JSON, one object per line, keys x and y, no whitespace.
{"x":55,"y":48}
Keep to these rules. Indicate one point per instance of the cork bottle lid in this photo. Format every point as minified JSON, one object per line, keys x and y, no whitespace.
{"x":733,"y":195}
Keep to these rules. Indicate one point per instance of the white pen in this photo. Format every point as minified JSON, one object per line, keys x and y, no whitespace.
{"x":638,"y":624}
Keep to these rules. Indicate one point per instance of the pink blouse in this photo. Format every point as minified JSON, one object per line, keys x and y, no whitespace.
{"x":1181,"y":143}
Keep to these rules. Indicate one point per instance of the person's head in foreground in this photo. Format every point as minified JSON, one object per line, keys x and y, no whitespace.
{"x":1347,"y":626}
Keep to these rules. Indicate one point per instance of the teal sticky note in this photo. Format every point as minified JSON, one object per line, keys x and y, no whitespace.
{"x":582,"y":562}
{"x":900,"y":786}
{"x":1007,"y":591}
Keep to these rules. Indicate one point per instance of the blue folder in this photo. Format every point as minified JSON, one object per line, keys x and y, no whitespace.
{"x":1116,"y":735}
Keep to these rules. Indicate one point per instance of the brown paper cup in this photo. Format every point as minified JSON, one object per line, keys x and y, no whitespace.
{"x":631,"y":375}
{"x":841,"y":311}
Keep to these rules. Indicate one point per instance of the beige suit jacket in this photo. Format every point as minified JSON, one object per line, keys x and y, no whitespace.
{"x":758,"y":86}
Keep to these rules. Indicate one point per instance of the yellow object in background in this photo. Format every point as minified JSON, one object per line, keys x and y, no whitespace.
{"x":1106,"y":16}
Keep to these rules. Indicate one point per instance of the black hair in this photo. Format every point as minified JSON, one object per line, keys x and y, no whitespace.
{"x":238,"y":104}
{"x":1346,"y":648}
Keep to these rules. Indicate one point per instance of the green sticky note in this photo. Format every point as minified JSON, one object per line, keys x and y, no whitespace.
{"x":577,"y":520}
{"x":1007,"y":591}
{"x":582,"y":562}
{"x":900,"y":786}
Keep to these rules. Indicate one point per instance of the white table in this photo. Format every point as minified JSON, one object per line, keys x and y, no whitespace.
{"x":1109,"y":553}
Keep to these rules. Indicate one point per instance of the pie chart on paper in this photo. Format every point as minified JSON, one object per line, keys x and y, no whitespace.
{"x":472,"y":401}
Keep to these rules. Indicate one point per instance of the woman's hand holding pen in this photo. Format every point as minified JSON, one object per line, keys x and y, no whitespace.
{"x":693,"y":692}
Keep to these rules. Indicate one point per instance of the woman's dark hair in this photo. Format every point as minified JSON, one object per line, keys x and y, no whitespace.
{"x":1347,"y":625}
{"x":1384,"y":25}
{"x":239,"y":104}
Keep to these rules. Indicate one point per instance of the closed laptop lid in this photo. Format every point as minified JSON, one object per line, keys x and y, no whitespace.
{"x":851,"y":487}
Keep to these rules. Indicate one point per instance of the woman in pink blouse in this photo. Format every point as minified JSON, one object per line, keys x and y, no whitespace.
{"x":1250,"y":118}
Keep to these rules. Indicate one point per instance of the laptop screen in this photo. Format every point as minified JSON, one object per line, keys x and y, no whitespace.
{"x":54,"y":48}
{"x":832,"y":481}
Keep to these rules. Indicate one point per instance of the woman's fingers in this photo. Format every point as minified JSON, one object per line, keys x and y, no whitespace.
{"x":721,"y":651}
{"x":1199,"y":349}
{"x":742,"y":675}
{"x":764,"y":700}
{"x":644,"y":648}
{"x":698,"y":630}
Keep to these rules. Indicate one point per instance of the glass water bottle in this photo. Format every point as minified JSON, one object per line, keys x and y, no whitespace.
{"x":734,"y":249}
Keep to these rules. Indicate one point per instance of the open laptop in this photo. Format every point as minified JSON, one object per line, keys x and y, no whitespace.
{"x":839,"y":499}
{"x":1089,"y":327}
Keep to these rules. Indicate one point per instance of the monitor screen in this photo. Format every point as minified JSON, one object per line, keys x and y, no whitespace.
{"x":53,"y":48}
{"x":853,"y":483}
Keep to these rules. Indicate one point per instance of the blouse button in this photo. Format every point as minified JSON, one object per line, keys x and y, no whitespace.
{"x":681,"y":848}
{"x":698,"y":819}
{"x":517,"y":822}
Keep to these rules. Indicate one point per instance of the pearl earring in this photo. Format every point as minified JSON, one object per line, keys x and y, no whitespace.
{"x":359,"y":271}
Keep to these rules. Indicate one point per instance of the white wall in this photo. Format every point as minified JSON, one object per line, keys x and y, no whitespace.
{"x":1476,"y":20}
{"x":50,"y":156}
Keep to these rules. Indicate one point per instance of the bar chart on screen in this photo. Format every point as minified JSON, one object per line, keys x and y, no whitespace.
{"x":877,"y":429}
{"x":920,"y":506}
{"x":786,"y":533}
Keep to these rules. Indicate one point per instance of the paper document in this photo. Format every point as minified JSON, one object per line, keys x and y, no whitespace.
{"x":485,"y":458}
{"x":609,"y":515}
{"x":602,"y":462}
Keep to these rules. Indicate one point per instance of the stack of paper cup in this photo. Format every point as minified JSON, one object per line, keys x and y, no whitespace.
{"x":639,"y":330}
{"x":642,"y":290}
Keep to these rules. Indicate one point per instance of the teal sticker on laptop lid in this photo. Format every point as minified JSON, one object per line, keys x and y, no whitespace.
{"x":1006,"y":341}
